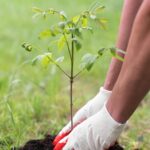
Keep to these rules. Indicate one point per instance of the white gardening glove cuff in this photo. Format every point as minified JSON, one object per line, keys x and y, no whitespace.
{"x":98,"y":132}
{"x":92,"y":107}
{"x":112,"y":128}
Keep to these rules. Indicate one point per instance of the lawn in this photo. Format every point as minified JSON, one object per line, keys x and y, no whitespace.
{"x":33,"y":100}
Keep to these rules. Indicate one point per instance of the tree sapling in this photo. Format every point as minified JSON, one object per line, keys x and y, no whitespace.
{"x":68,"y":35}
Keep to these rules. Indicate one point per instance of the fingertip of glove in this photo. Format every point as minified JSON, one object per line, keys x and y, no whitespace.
{"x":59,"y":137}
{"x":59,"y":146}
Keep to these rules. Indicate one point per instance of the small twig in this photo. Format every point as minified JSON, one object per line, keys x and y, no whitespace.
{"x":60,"y":68}
{"x":93,"y":5}
{"x":69,"y":51}
{"x":76,"y":75}
{"x":78,"y":21}
{"x":62,"y":71}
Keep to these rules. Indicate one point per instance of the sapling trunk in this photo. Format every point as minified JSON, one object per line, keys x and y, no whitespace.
{"x":72,"y":80}
{"x":71,"y":102}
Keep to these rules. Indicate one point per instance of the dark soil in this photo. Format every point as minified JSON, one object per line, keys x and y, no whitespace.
{"x":116,"y":147}
{"x":46,"y":144}
{"x":41,"y":144}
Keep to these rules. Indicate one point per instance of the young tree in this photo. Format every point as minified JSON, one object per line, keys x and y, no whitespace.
{"x":69,"y":32}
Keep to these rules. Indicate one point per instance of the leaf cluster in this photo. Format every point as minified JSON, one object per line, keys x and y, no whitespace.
{"x":68,"y":33}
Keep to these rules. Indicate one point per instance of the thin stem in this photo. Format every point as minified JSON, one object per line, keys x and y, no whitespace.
{"x":78,"y":21}
{"x":7,"y":97}
{"x":71,"y":102}
{"x":36,"y":47}
{"x":76,"y":75}
{"x":93,"y":5}
{"x":69,"y":51}
{"x":11,"y":113}
{"x":71,"y":82}
{"x":60,"y":68}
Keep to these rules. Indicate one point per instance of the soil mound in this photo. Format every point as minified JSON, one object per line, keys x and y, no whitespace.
{"x":47,"y":144}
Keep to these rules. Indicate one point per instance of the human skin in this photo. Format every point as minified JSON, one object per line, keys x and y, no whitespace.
{"x":130,"y":9}
{"x":134,"y":79}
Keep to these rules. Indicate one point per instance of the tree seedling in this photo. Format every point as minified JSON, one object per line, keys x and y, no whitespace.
{"x":68,"y":36}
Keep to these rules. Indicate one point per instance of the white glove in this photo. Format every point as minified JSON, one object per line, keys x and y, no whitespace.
{"x":98,"y":132}
{"x":92,"y":107}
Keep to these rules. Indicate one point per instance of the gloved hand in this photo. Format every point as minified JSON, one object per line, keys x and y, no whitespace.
{"x":98,"y":132}
{"x":92,"y":107}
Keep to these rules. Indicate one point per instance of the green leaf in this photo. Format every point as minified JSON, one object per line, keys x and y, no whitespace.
{"x":62,"y":25}
{"x":84,"y":22}
{"x":92,"y":16}
{"x":75,"y":19}
{"x":37,"y":10}
{"x":63,"y":15}
{"x":101,"y":51}
{"x":99,"y":9}
{"x":70,"y":30}
{"x":70,"y":23}
{"x":113,"y":51}
{"x":88,"y":61}
{"x":61,"y":42}
{"x":85,"y":14}
{"x":55,"y":30}
{"x":51,"y":11}
{"x":66,"y":31}
{"x":102,"y":22}
{"x":45,"y":34}
{"x":77,"y":32}
{"x":43,"y":59}
{"x":44,"y":14}
{"x":60,"y":59}
{"x":114,"y":54}
{"x":89,"y":29}
{"x":77,"y":45}
{"x":35,"y":60}
{"x":27,"y":47}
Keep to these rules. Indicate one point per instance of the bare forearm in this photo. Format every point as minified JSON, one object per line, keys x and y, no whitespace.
{"x":134,"y":79}
{"x":129,"y":12}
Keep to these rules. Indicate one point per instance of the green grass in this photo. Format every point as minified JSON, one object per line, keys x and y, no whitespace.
{"x":34,"y":101}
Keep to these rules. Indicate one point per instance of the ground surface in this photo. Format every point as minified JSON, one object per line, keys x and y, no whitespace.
{"x":33,"y":100}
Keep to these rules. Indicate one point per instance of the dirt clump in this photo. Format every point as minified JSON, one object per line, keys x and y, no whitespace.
{"x":47,"y":144}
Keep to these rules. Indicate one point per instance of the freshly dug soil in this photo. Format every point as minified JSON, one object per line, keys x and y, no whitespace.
{"x":41,"y":144}
{"x":116,"y":147}
{"x":46,"y":144}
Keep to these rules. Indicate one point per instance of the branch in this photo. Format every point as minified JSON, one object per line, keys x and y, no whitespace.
{"x":78,"y":21}
{"x":69,"y":51}
{"x":60,"y":68}
{"x":76,"y":75}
